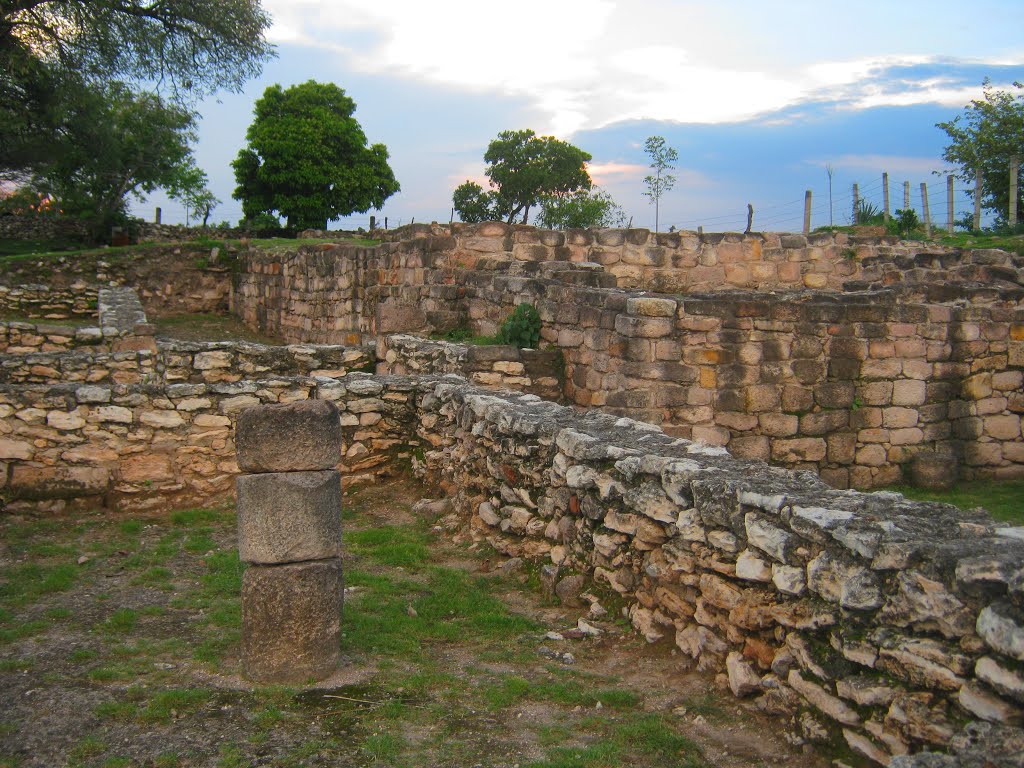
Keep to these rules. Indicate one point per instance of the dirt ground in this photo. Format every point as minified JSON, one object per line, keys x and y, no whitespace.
{"x":119,"y":647}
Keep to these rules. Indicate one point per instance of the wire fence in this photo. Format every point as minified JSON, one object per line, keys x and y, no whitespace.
{"x":837,"y":207}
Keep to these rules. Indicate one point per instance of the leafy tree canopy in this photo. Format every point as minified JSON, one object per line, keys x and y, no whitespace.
{"x":581,"y":209}
{"x":195,"y":46}
{"x":114,"y":142}
{"x":523,"y":168}
{"x":985,"y":137}
{"x":52,"y":51}
{"x":307,"y":158}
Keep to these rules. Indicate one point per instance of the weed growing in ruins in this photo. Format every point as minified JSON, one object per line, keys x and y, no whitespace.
{"x":522,"y":328}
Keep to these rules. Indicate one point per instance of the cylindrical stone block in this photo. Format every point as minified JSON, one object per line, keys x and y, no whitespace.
{"x":289,"y":517}
{"x":300,"y":436}
{"x":291,"y":621}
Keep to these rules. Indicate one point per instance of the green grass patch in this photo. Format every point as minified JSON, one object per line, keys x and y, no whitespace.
{"x":166,"y":705}
{"x":449,"y":606}
{"x":390,"y":545}
{"x":569,"y":692}
{"x":121,"y":622}
{"x":383,"y":747}
{"x":1004,"y":499}
{"x":26,"y":582}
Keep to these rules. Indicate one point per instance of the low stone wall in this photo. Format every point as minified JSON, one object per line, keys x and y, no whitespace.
{"x":172,"y":362}
{"x":501,"y":366}
{"x":78,"y":300}
{"x":684,"y":262}
{"x":169,"y":279}
{"x":145,"y":446}
{"x":867,"y":618}
{"x":17,"y":338}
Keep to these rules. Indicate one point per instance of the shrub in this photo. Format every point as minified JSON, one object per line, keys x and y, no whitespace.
{"x":522,"y":328}
{"x":906,"y":221}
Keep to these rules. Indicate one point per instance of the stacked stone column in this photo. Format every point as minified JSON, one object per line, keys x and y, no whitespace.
{"x":289,"y":535}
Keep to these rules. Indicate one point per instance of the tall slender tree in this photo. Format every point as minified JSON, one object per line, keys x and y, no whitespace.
{"x":661,"y":181}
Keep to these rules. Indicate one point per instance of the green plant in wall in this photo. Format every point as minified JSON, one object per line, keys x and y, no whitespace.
{"x":906,"y":221}
{"x":522,"y":328}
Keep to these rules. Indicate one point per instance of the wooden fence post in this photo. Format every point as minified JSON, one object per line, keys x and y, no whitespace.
{"x":949,"y":205}
{"x":807,"y":212}
{"x":856,"y":202}
{"x":906,"y":195}
{"x":927,"y":212}
{"x":885,"y":197}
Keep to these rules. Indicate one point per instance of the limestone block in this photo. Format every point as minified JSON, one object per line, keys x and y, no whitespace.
{"x":287,"y":517}
{"x":15,"y":449}
{"x":982,"y":703}
{"x":852,"y":586}
{"x":743,"y":680}
{"x":751,"y":567}
{"x":161,"y":419}
{"x":300,"y":436}
{"x":651,"y":307}
{"x":822,"y":700}
{"x":1001,"y":678}
{"x":291,"y":621}
{"x":1002,"y":627}
{"x":57,"y":482}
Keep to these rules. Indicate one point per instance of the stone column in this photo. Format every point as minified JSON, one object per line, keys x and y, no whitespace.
{"x":289,"y":535}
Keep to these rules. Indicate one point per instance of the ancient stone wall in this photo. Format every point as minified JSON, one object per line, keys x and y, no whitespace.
{"x":92,"y":361}
{"x":682,"y":262}
{"x":169,"y":279}
{"x":501,"y":366}
{"x":878,"y":621}
{"x":17,"y":338}
{"x":142,"y":446}
{"x":927,"y":354}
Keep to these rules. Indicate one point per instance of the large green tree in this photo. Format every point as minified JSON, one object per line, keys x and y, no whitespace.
{"x":582,"y":209}
{"x":985,"y":138}
{"x":523,"y":168}
{"x":51,"y":51}
{"x":307,"y":158}
{"x":114,"y":142}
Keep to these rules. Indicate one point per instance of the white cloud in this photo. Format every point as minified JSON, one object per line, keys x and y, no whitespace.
{"x":585,"y":64}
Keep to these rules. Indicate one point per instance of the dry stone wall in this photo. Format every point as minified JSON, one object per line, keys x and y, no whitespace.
{"x":177,"y":278}
{"x":882,"y":622}
{"x":923,"y":356}
{"x":143,"y":446}
{"x":501,"y":366}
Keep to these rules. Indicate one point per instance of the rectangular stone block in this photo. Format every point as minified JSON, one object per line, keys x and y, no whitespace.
{"x":300,"y":436}
{"x":291,"y":621}
{"x":288,"y":517}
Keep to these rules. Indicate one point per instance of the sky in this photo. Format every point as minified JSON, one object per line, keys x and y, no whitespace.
{"x":758,"y":98}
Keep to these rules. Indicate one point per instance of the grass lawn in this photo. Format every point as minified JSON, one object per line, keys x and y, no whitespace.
{"x":119,"y":646}
{"x":1004,"y":500}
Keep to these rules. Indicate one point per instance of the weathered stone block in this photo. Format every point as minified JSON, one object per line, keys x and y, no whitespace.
{"x":299,"y":436}
{"x":287,"y":517}
{"x":291,"y":621}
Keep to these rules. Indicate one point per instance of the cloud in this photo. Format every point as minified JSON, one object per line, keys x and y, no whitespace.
{"x":607,"y":173}
{"x":586,"y":64}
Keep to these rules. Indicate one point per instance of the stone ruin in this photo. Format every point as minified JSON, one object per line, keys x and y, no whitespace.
{"x":895,"y":626}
